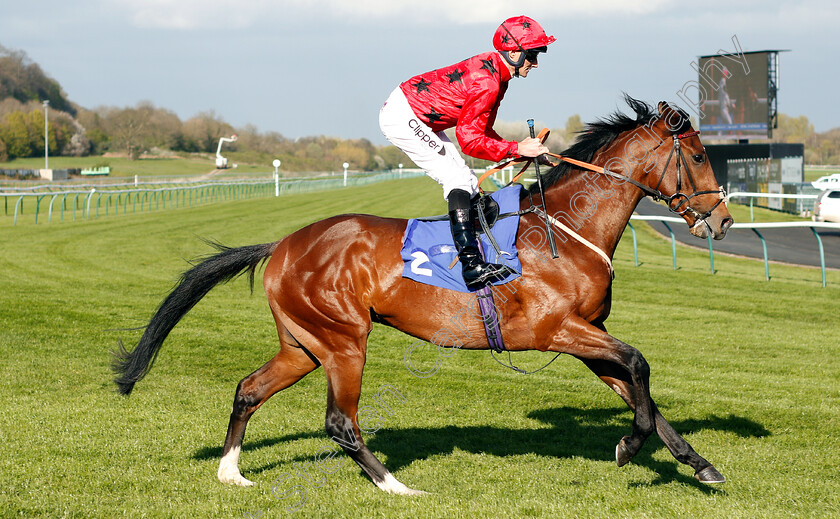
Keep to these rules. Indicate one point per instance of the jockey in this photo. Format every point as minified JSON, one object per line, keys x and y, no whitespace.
{"x":465,"y":95}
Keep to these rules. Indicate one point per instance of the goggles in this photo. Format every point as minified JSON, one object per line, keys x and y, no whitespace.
{"x":533,"y":54}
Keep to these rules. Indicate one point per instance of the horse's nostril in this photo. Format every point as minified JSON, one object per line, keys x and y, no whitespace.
{"x":726,"y":224}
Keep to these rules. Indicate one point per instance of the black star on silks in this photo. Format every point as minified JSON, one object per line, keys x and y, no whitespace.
{"x":455,"y":76}
{"x":526,"y":24}
{"x":433,"y":116}
{"x":488,"y":65}
{"x":505,"y":38}
{"x":421,"y":85}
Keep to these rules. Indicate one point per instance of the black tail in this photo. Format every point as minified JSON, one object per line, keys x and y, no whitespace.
{"x":229,"y":263}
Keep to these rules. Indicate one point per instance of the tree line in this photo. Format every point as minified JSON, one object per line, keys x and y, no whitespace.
{"x":148,"y":130}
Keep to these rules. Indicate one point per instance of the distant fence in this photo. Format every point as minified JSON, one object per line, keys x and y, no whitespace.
{"x":92,"y":201}
{"x":754,"y":227}
{"x":804,"y":202}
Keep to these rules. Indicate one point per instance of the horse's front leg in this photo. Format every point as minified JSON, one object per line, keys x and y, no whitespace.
{"x":619,"y":381}
{"x":590,"y":343}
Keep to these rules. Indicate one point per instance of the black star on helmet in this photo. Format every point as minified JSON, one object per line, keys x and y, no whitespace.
{"x":421,"y":85}
{"x":488,"y":65}
{"x":455,"y":76}
{"x":505,"y":38}
{"x":526,"y":24}
{"x":433,"y":116}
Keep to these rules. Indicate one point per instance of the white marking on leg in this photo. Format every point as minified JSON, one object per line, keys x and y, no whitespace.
{"x":229,"y":469}
{"x":391,"y":485}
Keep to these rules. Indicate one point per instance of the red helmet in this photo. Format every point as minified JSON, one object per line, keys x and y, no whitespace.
{"x":520,"y":33}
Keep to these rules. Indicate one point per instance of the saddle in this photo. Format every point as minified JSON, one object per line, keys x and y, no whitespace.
{"x":429,"y":254}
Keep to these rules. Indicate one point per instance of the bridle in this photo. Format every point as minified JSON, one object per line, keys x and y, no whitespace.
{"x":678,"y":203}
{"x":681,"y":198}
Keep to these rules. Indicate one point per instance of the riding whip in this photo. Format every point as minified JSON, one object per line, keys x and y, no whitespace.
{"x":551,"y":243}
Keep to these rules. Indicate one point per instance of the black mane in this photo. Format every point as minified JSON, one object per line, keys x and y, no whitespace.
{"x":599,"y":134}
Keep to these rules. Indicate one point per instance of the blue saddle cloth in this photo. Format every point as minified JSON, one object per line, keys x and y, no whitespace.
{"x":428,"y":248}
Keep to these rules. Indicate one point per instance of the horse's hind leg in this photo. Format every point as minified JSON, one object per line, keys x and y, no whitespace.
{"x":619,"y":380}
{"x":344,"y":385}
{"x":291,"y":364}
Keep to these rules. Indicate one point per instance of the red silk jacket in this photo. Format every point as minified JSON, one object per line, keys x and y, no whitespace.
{"x":465,"y":95}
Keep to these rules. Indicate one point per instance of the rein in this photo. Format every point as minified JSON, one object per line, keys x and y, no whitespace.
{"x":681,"y":198}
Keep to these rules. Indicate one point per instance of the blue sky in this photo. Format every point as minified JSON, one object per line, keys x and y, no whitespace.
{"x":323,"y":67}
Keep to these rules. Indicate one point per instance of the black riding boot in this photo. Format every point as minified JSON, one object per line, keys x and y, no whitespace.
{"x":476,"y":272}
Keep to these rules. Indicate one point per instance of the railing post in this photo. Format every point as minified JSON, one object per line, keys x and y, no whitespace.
{"x":711,"y":253}
{"x":87,"y":204}
{"x":635,"y":245}
{"x":18,"y":204}
{"x":49,"y":215}
{"x":764,"y":247}
{"x":673,"y":244}
{"x":822,"y":254}
{"x":38,"y":206}
{"x":75,"y":205}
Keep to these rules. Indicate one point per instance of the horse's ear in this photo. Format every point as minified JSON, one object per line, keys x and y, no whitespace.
{"x":663,"y":105}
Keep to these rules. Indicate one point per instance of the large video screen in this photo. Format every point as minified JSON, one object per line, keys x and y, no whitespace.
{"x":736,"y":100}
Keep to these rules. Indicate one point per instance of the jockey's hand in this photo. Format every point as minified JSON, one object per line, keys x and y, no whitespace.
{"x":531,"y":147}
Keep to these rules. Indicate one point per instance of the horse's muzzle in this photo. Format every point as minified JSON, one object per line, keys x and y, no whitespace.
{"x":714,"y":227}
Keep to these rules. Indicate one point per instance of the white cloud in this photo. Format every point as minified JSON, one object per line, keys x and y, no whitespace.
{"x":194,"y":14}
{"x":484,"y":11}
{"x":218,"y":14}
{"x":241,"y":14}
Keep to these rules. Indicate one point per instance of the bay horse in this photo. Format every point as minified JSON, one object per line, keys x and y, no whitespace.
{"x":327,"y":284}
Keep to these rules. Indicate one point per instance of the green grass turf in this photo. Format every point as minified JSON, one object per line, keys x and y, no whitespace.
{"x":746,"y":370}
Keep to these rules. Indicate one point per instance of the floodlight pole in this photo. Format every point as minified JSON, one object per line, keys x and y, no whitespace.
{"x":46,"y":135}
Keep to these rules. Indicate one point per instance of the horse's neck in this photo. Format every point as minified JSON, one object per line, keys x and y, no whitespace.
{"x":595,"y":206}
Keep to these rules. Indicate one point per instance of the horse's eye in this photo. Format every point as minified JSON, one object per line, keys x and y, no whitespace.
{"x":698,"y":158}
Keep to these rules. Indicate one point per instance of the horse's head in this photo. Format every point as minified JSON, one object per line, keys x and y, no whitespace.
{"x":681,"y":174}
{"x":656,"y":151}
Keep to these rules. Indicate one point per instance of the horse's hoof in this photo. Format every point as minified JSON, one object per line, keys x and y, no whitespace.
{"x":709,"y":475}
{"x":236,"y":480}
{"x":391,"y":485}
{"x":622,"y":454}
